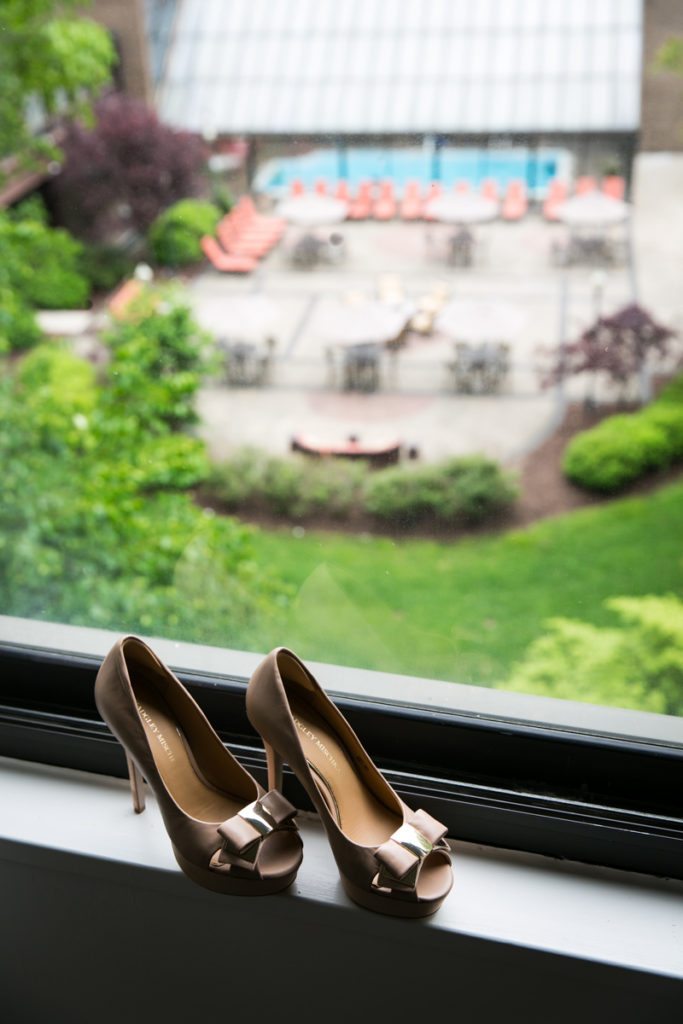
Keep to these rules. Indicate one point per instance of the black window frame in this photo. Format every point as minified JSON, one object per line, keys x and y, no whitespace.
{"x":510,"y":782}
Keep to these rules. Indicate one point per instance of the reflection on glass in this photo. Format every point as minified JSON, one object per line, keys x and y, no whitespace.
{"x":404,"y":392}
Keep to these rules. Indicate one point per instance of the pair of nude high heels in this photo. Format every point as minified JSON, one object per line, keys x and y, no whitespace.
{"x":230,"y":836}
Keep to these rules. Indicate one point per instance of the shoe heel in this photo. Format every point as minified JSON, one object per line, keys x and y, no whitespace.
{"x":274,"y":763}
{"x":137,"y":790}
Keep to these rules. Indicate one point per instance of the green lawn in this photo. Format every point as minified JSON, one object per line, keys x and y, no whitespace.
{"x":465,"y":611}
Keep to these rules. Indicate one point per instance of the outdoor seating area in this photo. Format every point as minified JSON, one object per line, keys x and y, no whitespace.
{"x":385,"y":200}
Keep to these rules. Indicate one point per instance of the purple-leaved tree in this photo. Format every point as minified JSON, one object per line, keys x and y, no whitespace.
{"x":620,"y":346}
{"x":125,"y":170}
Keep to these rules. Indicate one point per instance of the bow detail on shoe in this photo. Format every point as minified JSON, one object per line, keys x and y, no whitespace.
{"x":243,"y":834}
{"x":403,"y":854}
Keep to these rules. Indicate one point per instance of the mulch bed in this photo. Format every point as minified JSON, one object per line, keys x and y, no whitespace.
{"x":544,"y":491}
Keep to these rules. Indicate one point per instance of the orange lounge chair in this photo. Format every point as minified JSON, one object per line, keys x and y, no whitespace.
{"x":385,"y":204}
{"x":557,"y":193}
{"x":321,"y":187}
{"x":246,"y":208}
{"x":124,"y":296}
{"x":461,"y":187}
{"x":223,"y":261}
{"x":516,"y":203}
{"x":433,"y":192}
{"x":241,"y":243}
{"x":342,"y":191}
{"x":411,"y":204}
{"x":489,"y":189}
{"x":296,"y":188}
{"x":584,"y":184}
{"x":361,"y":207}
{"x":614,"y":186}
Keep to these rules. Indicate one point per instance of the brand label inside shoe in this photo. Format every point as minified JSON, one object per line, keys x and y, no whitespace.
{"x":157,"y":733}
{"x":310,"y":735}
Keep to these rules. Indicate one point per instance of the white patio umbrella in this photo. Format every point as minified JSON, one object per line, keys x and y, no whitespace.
{"x":313,"y":210}
{"x":366,"y":323}
{"x":461,"y":208}
{"x":475,"y":320}
{"x":592,"y":209}
{"x":242,"y":316}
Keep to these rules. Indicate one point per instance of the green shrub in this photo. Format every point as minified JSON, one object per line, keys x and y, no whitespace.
{"x":175,"y":235}
{"x":463,"y":491}
{"x":105,"y":266}
{"x":624,"y":448}
{"x":296,"y":487}
{"x":668,"y":417}
{"x":18,"y":327}
{"x":42,"y":264}
{"x":615,"y":453}
{"x":636,"y":664}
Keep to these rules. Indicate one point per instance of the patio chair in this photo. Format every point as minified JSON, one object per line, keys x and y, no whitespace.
{"x":223,"y":261}
{"x":385,"y":204}
{"x":586,"y":183}
{"x":433,"y":192}
{"x":296,"y":188}
{"x":614,"y":186}
{"x":342,"y":191}
{"x":516,"y":203}
{"x":557,"y":193}
{"x":320,"y":187}
{"x":462,"y":187}
{"x":411,"y":204}
{"x":360,"y":208}
{"x":489,"y":189}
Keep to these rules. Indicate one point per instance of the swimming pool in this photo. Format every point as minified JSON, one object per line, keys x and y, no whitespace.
{"x":447,"y":165}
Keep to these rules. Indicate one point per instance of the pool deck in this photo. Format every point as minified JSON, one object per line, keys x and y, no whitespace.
{"x":415,"y":402}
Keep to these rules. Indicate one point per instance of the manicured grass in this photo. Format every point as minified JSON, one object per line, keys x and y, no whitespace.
{"x":466,"y":611}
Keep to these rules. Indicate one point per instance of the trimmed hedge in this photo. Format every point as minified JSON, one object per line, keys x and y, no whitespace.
{"x":623,"y":448}
{"x":461,"y":491}
{"x":175,"y":235}
{"x":294,"y":488}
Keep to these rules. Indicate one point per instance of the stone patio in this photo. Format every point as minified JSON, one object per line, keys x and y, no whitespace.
{"x":416,"y":403}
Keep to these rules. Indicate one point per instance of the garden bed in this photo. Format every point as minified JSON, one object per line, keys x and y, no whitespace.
{"x":544,"y":491}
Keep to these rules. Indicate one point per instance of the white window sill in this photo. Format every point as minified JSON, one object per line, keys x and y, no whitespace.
{"x":50,"y":815}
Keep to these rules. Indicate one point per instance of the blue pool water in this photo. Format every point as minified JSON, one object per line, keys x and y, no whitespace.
{"x":448,"y":166}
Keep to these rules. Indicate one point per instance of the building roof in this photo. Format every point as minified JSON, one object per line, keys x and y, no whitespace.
{"x":336,"y":67}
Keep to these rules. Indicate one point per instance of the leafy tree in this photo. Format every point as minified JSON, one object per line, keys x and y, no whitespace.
{"x":635,"y":664}
{"x":125,"y":170}
{"x":96,"y":526}
{"x":49,"y":55}
{"x":158,"y":357}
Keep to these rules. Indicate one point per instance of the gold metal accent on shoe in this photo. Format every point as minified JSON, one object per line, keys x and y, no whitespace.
{"x":258,"y":817}
{"x":414,"y":842}
{"x":410,"y":839}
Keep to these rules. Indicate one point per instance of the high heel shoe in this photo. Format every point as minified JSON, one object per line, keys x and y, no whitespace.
{"x":227,"y":834}
{"x":390,"y":859}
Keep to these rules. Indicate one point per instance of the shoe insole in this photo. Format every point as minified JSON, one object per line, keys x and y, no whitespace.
{"x":175,"y":766}
{"x":357,"y":811}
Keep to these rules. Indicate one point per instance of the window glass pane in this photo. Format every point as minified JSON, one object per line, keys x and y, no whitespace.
{"x":414,"y":426}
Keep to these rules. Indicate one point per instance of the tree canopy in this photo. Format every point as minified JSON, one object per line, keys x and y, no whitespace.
{"x":51,"y":60}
